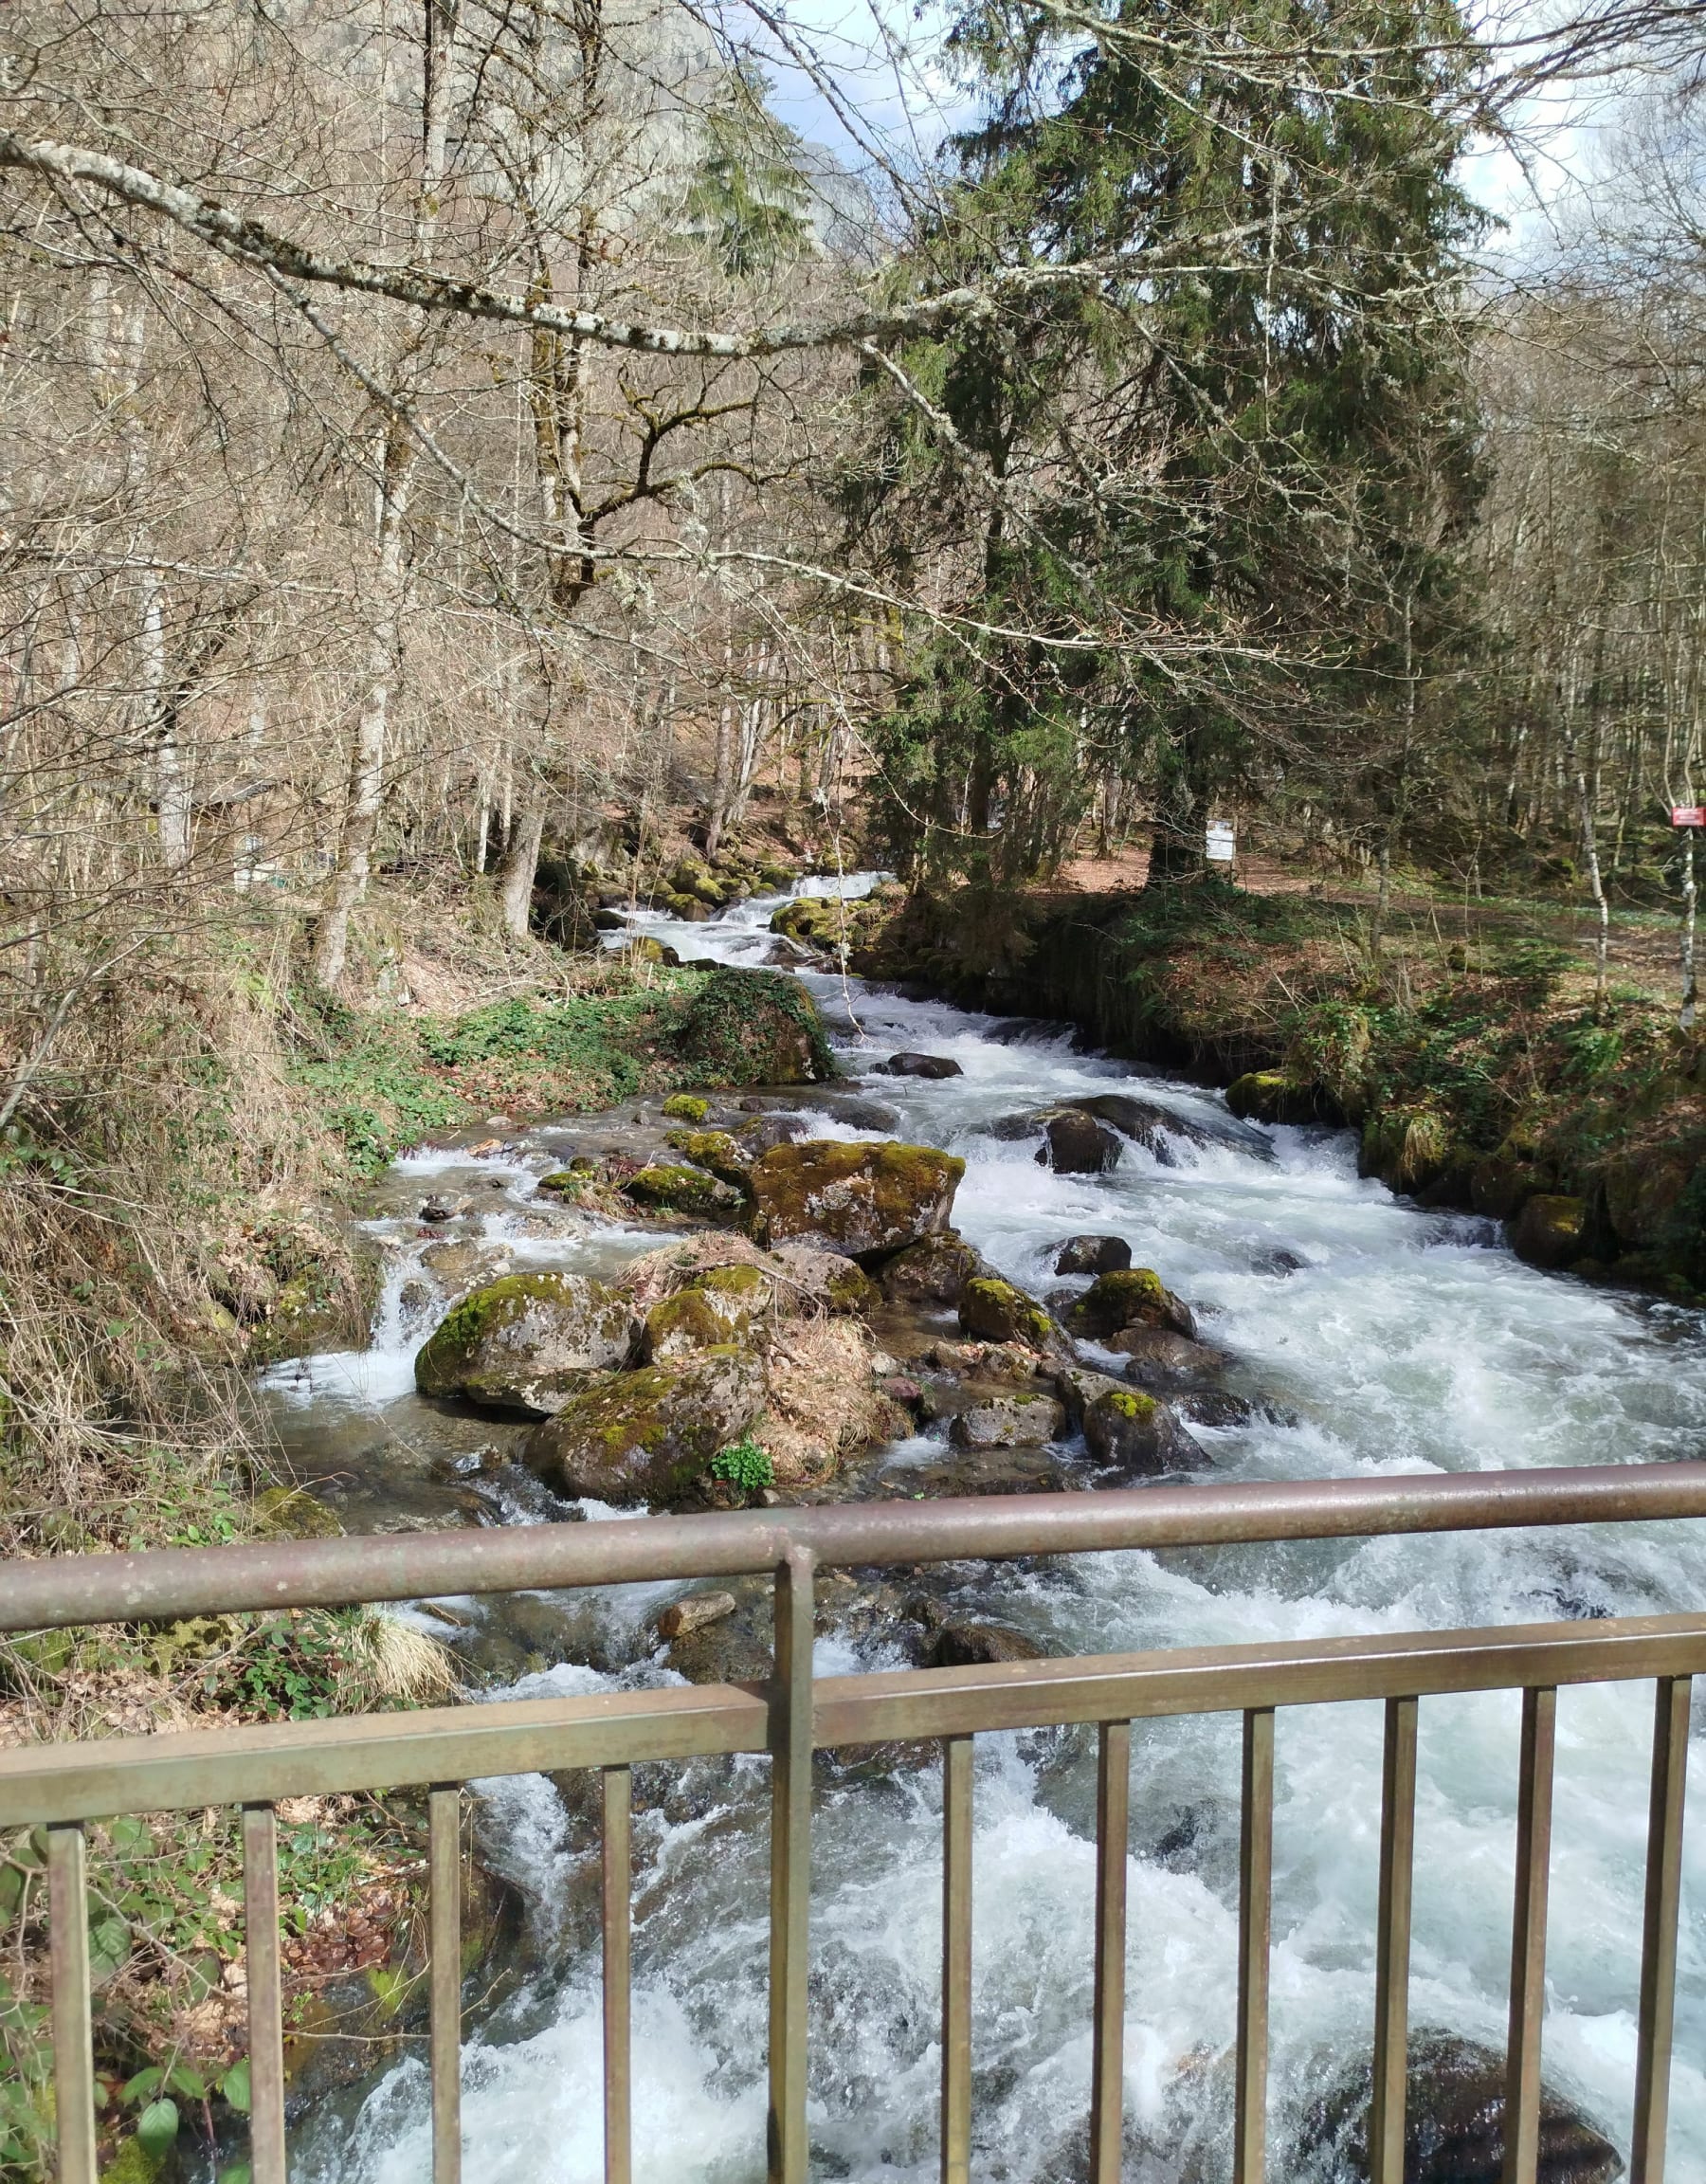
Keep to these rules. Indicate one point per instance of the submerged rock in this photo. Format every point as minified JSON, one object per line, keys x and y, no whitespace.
{"x":1094,"y":1255}
{"x":1454,"y":2122}
{"x":649,"y":1435}
{"x":1135,"y":1297}
{"x":931,"y":1065}
{"x":866,"y":1200}
{"x":527,"y":1344}
{"x":1076,"y":1144}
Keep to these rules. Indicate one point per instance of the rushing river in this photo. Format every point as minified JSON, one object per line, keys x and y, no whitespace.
{"x":1374,"y":1339}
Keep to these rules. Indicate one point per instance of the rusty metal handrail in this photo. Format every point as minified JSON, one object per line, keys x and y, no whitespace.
{"x":62,"y":1786}
{"x":168,"y":1584}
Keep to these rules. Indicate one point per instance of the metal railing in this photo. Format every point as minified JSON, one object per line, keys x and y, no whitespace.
{"x":62,"y":1786}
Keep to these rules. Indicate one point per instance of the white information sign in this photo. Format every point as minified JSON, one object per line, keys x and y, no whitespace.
{"x":1221,"y":841}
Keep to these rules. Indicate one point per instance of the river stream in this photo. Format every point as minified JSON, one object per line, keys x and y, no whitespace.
{"x":1372,"y":1338}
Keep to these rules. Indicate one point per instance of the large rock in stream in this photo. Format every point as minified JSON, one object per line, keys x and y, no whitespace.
{"x":649,"y":1436}
{"x":527,"y":1344}
{"x":1134,"y":1297}
{"x":864,"y":1200}
{"x":1454,"y":2121}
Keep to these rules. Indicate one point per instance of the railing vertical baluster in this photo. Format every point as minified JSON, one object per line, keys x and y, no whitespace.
{"x":266,"y":2004}
{"x":1392,"y":1945}
{"x":618,"y":1873}
{"x":444,"y":1860}
{"x":1107,"y":2069}
{"x":1528,"y":1935}
{"x":956,"y":1959}
{"x":790,"y":1866}
{"x":73,"y":2050}
{"x":1255,"y":1917}
{"x":1659,"y":1943}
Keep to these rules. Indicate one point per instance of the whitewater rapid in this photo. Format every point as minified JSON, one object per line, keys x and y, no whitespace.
{"x":1373,"y":1338}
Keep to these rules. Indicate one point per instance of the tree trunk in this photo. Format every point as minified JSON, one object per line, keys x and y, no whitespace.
{"x":520,"y":864}
{"x":397,"y":471}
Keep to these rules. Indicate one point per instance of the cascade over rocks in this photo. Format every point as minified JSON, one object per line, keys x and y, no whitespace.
{"x":864,"y":1200}
{"x":1454,"y":2121}
{"x":527,"y":1344}
{"x":1147,"y":1123}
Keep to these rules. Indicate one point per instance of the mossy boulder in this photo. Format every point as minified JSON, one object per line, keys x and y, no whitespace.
{"x":934,"y":1271}
{"x":721,"y":1305}
{"x":1551,"y":1231}
{"x":1500,"y":1182}
{"x":864,"y":1200}
{"x":1136,"y":1436}
{"x":1407,"y":1148}
{"x":754,"y":1028}
{"x":527,"y":1344}
{"x":1131,"y":1296}
{"x":1270,"y":1096}
{"x":665,"y":1188}
{"x":1644,"y":1196}
{"x":686,"y":1108}
{"x":809,"y":919}
{"x":649,"y":1435}
{"x":719,"y":1152}
{"x":991,"y":1310}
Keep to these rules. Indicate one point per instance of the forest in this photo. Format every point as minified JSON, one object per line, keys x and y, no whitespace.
{"x":475,"y":474}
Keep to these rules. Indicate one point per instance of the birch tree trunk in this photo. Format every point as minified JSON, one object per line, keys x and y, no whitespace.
{"x":366,"y":795}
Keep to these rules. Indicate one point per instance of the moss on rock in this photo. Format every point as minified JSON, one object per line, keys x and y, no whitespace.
{"x":720,"y":1306}
{"x":1271,"y":1096}
{"x":1136,"y":1434}
{"x":1551,"y":1231}
{"x":686,"y":1108}
{"x":716,"y":1150}
{"x":649,"y":1435}
{"x":667,"y":1189}
{"x":1133,"y":1296}
{"x":864,"y":1200}
{"x":991,"y":1310}
{"x":526,"y":1343}
{"x":754,"y":1028}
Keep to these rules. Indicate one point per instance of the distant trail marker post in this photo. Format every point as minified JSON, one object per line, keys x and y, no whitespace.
{"x":1688,"y":817}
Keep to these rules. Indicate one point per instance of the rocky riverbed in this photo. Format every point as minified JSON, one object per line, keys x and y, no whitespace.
{"x":982,"y":1261}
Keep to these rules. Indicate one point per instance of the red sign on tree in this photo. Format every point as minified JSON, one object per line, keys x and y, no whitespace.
{"x":1688,"y":814}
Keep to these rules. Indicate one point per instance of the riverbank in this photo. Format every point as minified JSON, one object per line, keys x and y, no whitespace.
{"x":1480,"y":1074}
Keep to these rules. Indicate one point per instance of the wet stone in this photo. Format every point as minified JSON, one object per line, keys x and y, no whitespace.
{"x":1008,"y":1422}
{"x":928,"y":1065}
{"x":1093,"y":1255}
{"x":1077,"y":1144}
{"x":695,"y":1612}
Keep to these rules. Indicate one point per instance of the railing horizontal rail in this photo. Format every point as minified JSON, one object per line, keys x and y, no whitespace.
{"x":171,"y":1583}
{"x":170,"y":1773}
